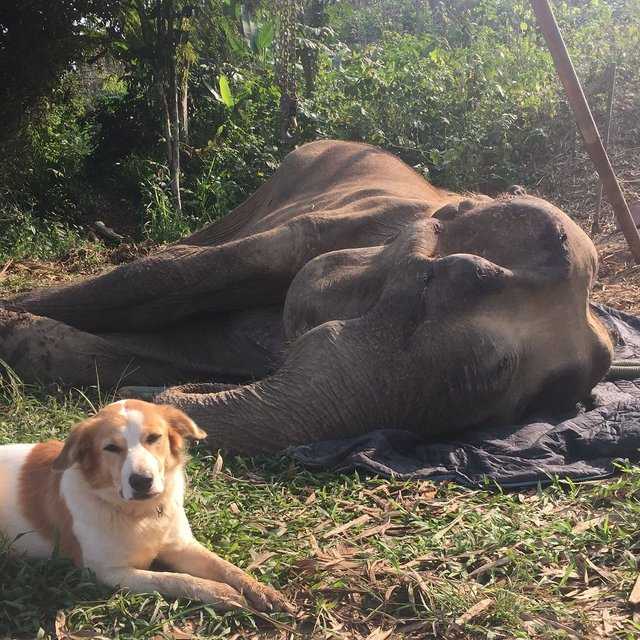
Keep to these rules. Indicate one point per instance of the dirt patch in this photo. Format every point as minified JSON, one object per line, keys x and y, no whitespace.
{"x":89,"y":260}
{"x":618,"y":282}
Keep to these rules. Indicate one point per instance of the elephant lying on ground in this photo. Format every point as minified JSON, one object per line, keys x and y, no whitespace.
{"x":346,"y":294}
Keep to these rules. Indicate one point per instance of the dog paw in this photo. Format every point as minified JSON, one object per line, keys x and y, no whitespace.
{"x":223,"y":597}
{"x":264,"y":598}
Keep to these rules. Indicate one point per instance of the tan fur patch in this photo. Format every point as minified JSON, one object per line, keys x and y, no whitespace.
{"x":42,"y":503}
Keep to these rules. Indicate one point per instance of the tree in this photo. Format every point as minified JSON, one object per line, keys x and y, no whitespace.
{"x":39,"y":40}
{"x":152,"y":38}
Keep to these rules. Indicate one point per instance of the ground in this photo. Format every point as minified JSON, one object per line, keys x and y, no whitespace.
{"x":362,"y":558}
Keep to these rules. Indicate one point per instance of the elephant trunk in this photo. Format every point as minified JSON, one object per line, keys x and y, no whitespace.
{"x":263,"y":417}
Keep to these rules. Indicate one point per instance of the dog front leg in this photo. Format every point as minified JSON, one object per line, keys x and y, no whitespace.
{"x":221,"y":595}
{"x":193,"y":558}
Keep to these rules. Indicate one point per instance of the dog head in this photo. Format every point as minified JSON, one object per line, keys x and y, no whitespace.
{"x":128,"y":448}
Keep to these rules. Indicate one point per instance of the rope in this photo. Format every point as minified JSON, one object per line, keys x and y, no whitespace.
{"x":624,"y":370}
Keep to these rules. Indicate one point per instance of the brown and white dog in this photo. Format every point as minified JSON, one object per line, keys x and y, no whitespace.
{"x":111,"y":498}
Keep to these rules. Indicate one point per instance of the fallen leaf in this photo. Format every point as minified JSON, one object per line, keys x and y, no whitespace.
{"x":379,"y":634}
{"x":372,"y":531}
{"x":474,"y":612}
{"x":186,"y":632}
{"x":389,"y":592}
{"x":500,"y":562}
{"x":60,"y":625}
{"x":259,"y":559}
{"x":217,"y":467}
{"x":347,"y":525}
{"x":420,"y":580}
{"x":5,"y":268}
{"x":585,"y":525}
{"x":429,"y":557}
{"x":313,"y":543}
{"x":592,"y":593}
{"x":601,"y":571}
{"x":419,"y":625}
{"x":634,"y":596}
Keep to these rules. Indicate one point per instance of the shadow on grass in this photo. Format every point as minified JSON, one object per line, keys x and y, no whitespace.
{"x":33,"y":591}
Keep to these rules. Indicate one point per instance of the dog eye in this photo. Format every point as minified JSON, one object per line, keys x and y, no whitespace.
{"x":114,"y":448}
{"x":154,"y":437}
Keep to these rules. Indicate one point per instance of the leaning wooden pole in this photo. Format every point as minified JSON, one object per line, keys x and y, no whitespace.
{"x":592,"y":141}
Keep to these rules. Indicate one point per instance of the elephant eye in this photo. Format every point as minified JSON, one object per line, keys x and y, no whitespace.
{"x":113,"y":448}
{"x":154,"y":437}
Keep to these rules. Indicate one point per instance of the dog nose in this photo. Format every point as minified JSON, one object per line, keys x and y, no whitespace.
{"x":140,"y":483}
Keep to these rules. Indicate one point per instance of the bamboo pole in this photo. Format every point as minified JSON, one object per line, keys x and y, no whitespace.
{"x":584,"y":119}
{"x":595,"y":227}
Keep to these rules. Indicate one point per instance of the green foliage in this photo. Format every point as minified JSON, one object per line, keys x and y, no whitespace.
{"x":27,"y":237}
{"x":39,"y":41}
{"x":474,"y":101}
{"x":162,"y":223}
{"x":465,"y":92}
{"x":225,"y":91}
{"x":41,"y":168}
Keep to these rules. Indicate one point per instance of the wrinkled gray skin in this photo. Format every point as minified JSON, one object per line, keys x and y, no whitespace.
{"x":355,"y":293}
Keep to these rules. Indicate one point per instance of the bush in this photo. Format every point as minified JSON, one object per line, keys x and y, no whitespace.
{"x":25,"y":236}
{"x":43,"y":167}
{"x":467,"y":95}
{"x":472,"y":100}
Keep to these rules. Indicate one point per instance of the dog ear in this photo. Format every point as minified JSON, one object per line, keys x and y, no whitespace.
{"x":75,"y":447}
{"x":181,"y":423}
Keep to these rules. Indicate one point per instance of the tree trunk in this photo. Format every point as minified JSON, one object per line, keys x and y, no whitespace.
{"x":175,"y":135}
{"x":173,"y":102}
{"x":437,"y":14}
{"x":184,"y":105}
{"x":166,"y":120}
{"x":313,"y":17}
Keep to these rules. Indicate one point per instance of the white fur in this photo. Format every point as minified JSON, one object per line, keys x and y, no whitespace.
{"x":139,"y":460}
{"x":129,"y":536}
{"x":13,"y":524}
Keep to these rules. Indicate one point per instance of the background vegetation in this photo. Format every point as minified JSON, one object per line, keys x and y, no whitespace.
{"x":464,"y":91}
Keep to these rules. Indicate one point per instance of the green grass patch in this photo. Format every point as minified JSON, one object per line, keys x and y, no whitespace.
{"x":354,"y":553}
{"x":25,"y":236}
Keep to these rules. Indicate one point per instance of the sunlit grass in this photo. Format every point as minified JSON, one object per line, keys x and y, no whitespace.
{"x":553,"y":563}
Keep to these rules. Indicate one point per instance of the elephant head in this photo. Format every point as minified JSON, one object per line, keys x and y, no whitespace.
{"x":453,"y":324}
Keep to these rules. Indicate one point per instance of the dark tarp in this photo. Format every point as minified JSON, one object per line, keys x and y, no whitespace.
{"x":585,"y":446}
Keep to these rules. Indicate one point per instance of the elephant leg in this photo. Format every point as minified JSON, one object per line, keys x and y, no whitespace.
{"x":182,"y":281}
{"x":43,"y":350}
{"x":176,"y":283}
{"x":237,"y":347}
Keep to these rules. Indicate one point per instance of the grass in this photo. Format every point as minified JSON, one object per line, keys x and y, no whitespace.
{"x":361,"y":557}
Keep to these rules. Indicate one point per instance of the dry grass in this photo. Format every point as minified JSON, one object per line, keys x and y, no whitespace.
{"x":618,"y":282}
{"x":84,"y":261}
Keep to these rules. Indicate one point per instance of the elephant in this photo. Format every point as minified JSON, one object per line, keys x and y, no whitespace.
{"x":346,"y":294}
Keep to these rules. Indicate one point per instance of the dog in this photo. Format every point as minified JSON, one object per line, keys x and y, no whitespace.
{"x":111,"y":499}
